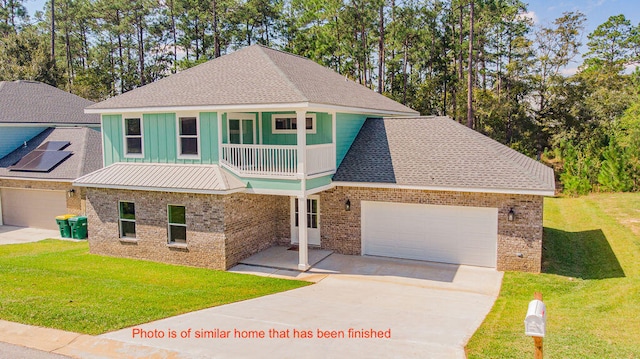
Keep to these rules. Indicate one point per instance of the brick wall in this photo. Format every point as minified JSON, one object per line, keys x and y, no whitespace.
{"x":253,"y":223}
{"x":74,"y":203}
{"x":340,"y":230}
{"x":204,"y":217}
{"x":221,"y":229}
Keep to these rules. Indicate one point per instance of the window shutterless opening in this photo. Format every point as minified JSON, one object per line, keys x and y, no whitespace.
{"x":133,"y":136}
{"x":177,"y":224}
{"x":127,"y":220}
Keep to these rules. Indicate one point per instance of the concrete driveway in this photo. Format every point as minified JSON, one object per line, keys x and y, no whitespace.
{"x":15,"y":235}
{"x":418,"y":310}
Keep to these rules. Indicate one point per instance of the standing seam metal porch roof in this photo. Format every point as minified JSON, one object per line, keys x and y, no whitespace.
{"x":162,"y":177}
{"x":255,"y":75}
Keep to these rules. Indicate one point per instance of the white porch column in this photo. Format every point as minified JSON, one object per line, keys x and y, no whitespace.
{"x":301,"y":132}
{"x":303,"y":250}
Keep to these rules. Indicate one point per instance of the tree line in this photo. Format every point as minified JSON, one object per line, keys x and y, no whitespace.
{"x":483,"y":63}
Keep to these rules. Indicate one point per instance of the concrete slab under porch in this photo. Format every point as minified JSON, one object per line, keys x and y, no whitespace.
{"x":284,"y":257}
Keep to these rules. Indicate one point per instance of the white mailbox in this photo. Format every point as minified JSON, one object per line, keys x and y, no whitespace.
{"x":535,"y":321}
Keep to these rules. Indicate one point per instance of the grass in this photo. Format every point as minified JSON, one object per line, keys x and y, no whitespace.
{"x":58,"y":284}
{"x":590,"y":283}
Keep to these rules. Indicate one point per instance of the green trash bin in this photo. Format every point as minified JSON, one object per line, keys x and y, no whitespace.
{"x":78,"y":227}
{"x":63,"y":225}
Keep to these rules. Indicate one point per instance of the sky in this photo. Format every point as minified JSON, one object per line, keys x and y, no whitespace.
{"x":543,"y":12}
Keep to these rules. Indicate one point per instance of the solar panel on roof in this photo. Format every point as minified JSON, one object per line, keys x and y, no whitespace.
{"x":25,"y":160}
{"x":40,"y":161}
{"x":53,"y":145}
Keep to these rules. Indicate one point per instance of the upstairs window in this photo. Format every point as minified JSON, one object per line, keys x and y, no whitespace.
{"x":133,"y":136}
{"x":127,"y":220}
{"x":289,"y":123}
{"x":188,"y":136}
{"x":177,"y":225}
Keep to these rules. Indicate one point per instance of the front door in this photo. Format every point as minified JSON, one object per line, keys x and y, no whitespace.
{"x":313,"y":220}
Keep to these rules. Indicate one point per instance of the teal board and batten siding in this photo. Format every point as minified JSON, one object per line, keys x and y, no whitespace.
{"x":159,"y":139}
{"x":13,"y":137}
{"x":323,"y":131}
{"x":347,"y":128}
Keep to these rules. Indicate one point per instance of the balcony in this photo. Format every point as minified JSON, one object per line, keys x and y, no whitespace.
{"x":277,"y":161}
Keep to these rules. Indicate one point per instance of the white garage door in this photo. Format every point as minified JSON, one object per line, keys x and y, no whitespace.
{"x":449,"y":234}
{"x":32,"y":208}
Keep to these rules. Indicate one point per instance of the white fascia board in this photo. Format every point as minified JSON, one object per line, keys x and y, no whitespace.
{"x":159,"y":189}
{"x":47,"y":124}
{"x":310,"y":107}
{"x":318,"y":107}
{"x":69,"y":180}
{"x":447,"y":189}
{"x":202,"y":108}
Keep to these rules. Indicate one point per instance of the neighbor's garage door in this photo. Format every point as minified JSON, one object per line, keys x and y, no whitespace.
{"x":449,"y":234}
{"x":32,"y":208}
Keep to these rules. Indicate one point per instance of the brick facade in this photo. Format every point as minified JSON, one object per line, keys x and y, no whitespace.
{"x":224,"y":229}
{"x":75,"y":203}
{"x":341,"y":232}
{"x":221,"y":229}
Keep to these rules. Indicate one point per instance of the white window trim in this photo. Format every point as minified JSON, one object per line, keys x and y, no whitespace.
{"x":178,"y":137}
{"x":292,"y":115}
{"x":169,"y":224}
{"x":120,"y":219}
{"x":294,"y":214}
{"x":241,"y":116}
{"x":124,"y":135}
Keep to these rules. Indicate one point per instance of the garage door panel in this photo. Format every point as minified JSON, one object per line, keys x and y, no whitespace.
{"x":32,"y":208}
{"x":451,"y":234}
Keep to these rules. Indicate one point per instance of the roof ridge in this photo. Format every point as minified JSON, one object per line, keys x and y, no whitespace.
{"x":282,"y":73}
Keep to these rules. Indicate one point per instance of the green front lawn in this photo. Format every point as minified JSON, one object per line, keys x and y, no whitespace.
{"x":58,"y":284}
{"x":590,"y":284}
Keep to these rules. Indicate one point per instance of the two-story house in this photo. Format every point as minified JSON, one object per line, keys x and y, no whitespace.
{"x":46,"y":142}
{"x":260,"y":147}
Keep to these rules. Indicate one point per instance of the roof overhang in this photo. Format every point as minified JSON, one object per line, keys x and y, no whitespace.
{"x":533,"y":192}
{"x":309,"y":106}
{"x":18,"y":178}
{"x":48,"y":124}
{"x":158,"y":189}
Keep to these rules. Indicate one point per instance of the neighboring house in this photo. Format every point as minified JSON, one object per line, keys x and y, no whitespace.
{"x":207,"y":167}
{"x":35,"y":185}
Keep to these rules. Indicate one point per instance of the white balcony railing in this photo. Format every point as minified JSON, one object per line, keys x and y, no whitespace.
{"x":277,"y":161}
{"x":321,"y":158}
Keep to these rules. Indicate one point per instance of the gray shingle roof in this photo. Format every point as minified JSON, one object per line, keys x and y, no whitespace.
{"x":86,"y":145}
{"x":163,"y":177}
{"x":439,"y":152}
{"x":254,"y":75}
{"x":35,"y":102}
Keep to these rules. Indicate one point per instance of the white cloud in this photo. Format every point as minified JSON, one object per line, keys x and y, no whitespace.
{"x":529,"y":15}
{"x":569,"y":71}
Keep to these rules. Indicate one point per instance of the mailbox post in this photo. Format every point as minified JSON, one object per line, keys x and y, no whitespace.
{"x":535,"y":323}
